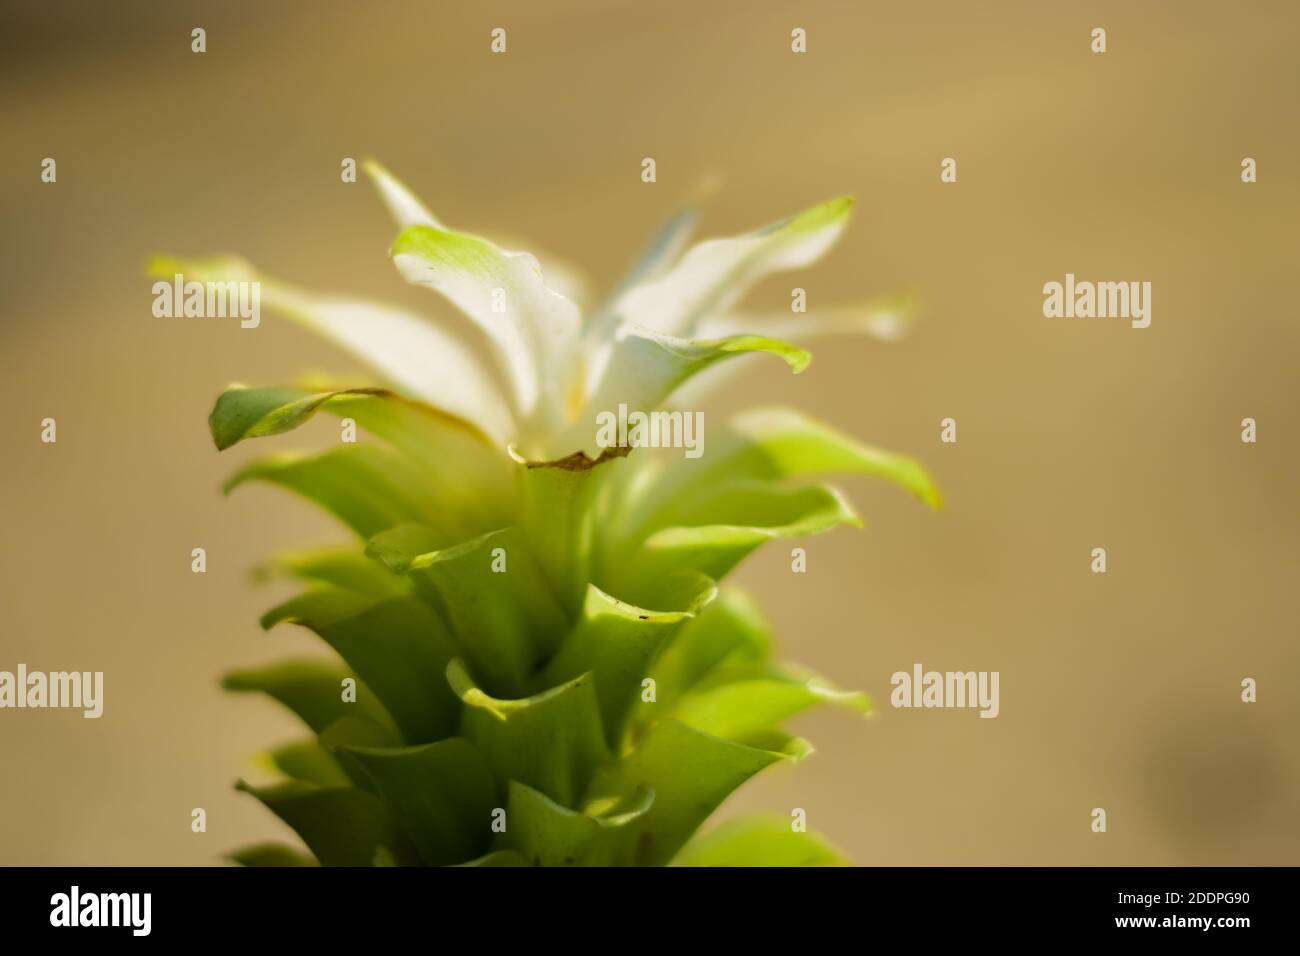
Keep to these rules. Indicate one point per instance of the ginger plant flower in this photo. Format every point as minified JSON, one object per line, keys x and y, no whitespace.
{"x":532,"y":657}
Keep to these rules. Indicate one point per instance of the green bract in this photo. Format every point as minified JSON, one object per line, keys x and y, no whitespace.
{"x":534,"y":661}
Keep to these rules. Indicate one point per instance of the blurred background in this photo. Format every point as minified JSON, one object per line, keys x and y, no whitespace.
{"x":1119,"y":691}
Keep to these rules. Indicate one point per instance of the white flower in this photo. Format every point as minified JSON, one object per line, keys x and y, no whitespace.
{"x":671,"y":319}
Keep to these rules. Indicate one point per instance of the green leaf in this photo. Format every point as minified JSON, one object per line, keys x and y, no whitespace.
{"x":559,"y":509}
{"x":465,"y":470}
{"x":367,"y":487}
{"x":763,"y":444}
{"x":313,"y":689}
{"x":759,"y":840}
{"x":398,"y":646}
{"x":342,"y":826}
{"x":308,"y":761}
{"x":739,"y":702}
{"x":690,"y":774}
{"x":506,"y":621}
{"x":741,"y":516}
{"x":730,"y":633}
{"x":779,"y":443}
{"x":355,"y":732}
{"x":780,"y":510}
{"x":271,"y":854}
{"x":398,"y":547}
{"x":343,"y":567}
{"x":716,"y":676}
{"x":241,"y":412}
{"x":544,"y":833}
{"x":406,"y":349}
{"x":552,"y":741}
{"x":646,"y":366}
{"x":616,"y":642}
{"x":442,"y":795}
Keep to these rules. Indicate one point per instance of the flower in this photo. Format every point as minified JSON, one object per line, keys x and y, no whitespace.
{"x":533,"y":659}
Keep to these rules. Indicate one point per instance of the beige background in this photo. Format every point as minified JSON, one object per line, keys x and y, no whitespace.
{"x":1118,"y":691}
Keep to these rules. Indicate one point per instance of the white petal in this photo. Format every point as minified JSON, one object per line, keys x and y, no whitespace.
{"x":532,"y":327}
{"x":558,"y":273}
{"x":713,"y":275}
{"x":407,"y":350}
{"x":407,"y":210}
{"x":885,"y":320}
{"x":653,"y":261}
{"x":403,"y":204}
